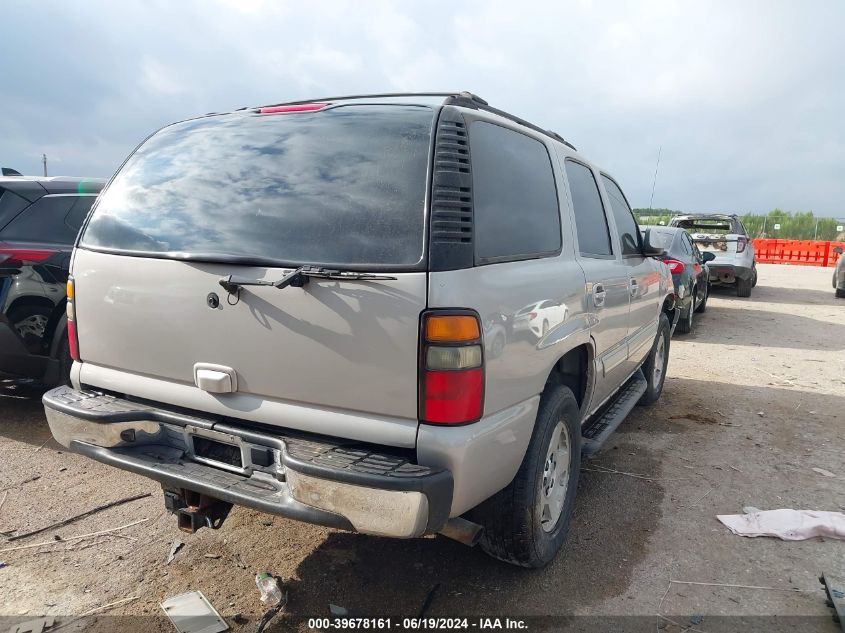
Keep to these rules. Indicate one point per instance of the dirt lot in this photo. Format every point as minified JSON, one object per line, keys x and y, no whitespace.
{"x":754,"y":401}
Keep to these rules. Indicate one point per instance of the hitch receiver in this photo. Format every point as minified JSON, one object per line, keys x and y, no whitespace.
{"x":194,"y":510}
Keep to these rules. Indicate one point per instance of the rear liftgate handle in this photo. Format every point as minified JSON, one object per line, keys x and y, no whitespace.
{"x":633,"y":287}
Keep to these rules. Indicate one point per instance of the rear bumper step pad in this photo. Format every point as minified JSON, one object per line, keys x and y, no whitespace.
{"x":308,"y":478}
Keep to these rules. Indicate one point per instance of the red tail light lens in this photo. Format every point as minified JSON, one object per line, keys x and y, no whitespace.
{"x":17,"y":257}
{"x":451,"y":368}
{"x":741,"y":243}
{"x":72,"y":341}
{"x":287,"y":109}
{"x":453,"y":397}
{"x":675,"y":266}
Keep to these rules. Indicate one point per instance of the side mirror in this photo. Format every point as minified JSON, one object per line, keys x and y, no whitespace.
{"x":651,"y":250}
{"x":838,"y":250}
{"x":707,"y":256}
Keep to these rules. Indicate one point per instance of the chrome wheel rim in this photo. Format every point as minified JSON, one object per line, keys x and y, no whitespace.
{"x":34,"y":325}
{"x":659,"y":360}
{"x":555,"y":480}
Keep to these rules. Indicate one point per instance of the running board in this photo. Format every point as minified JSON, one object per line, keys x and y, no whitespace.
{"x":595,"y":434}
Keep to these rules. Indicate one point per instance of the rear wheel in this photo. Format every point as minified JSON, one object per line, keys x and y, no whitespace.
{"x":526,"y":523}
{"x":743,"y":287}
{"x":686,"y":321}
{"x":754,"y":278}
{"x":656,"y":364}
{"x":840,"y":293}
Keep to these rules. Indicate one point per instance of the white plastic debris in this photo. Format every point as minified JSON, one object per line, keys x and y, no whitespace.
{"x":823,"y":472}
{"x":786,"y":524}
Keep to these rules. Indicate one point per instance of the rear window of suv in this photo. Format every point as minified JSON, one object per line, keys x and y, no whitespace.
{"x":345,"y":185}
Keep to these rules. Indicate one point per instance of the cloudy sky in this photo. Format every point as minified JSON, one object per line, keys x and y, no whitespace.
{"x":746,"y":99}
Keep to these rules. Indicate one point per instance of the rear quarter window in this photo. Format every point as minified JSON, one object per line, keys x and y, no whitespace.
{"x":516,"y":213}
{"x":11,"y":204}
{"x":44,"y":221}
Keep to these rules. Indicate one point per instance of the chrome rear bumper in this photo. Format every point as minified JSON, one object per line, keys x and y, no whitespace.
{"x":318,"y":480}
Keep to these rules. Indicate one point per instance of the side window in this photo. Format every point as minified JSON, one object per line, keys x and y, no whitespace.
{"x":78,"y":212}
{"x":590,"y":220}
{"x":43,"y":221}
{"x":685,"y":242}
{"x":626,"y":225}
{"x":514,"y":193}
{"x":10,"y":205}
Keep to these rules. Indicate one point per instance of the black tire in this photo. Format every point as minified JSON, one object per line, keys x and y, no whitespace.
{"x":743,"y":287}
{"x":685,"y":321}
{"x":513,"y":529}
{"x":702,"y":305}
{"x":754,"y":278}
{"x":840,"y":293}
{"x":656,"y":382}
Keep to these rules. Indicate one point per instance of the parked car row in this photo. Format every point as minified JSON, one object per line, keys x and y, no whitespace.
{"x":702,"y":251}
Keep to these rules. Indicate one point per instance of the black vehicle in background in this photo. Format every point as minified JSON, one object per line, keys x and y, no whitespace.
{"x":39,"y":221}
{"x":689,"y":271}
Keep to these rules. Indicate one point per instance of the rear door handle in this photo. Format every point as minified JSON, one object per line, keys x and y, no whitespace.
{"x":599,"y":295}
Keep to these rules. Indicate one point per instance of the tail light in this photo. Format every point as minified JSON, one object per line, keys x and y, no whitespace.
{"x":675,"y":266}
{"x":16,"y":257}
{"x":741,"y":243}
{"x":73,"y":341}
{"x":532,"y":316}
{"x":451,"y":368}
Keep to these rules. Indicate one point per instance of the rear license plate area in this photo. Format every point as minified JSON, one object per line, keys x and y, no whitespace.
{"x":215,"y":451}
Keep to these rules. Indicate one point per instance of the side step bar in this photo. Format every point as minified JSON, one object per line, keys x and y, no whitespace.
{"x":596,"y":432}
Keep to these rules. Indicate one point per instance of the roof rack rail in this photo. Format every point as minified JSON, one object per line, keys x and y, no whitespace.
{"x":458,"y":98}
{"x":377,"y":95}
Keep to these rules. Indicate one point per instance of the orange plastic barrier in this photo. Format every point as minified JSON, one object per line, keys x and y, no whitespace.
{"x":800,"y":252}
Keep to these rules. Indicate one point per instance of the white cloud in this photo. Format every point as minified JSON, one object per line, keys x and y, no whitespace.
{"x":745,"y":98}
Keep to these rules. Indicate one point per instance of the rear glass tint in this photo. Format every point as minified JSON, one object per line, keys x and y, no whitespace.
{"x":43,"y":221}
{"x":343,"y":186}
{"x":516,"y":210}
{"x":10,"y":205}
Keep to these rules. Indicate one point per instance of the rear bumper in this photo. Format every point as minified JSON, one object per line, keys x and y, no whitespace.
{"x":728,"y":273}
{"x":340,"y":484}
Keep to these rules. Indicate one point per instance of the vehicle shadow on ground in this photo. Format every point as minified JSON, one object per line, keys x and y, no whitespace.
{"x":22,"y":414}
{"x":742,"y":324}
{"x":357,"y":571}
{"x":772,"y":294}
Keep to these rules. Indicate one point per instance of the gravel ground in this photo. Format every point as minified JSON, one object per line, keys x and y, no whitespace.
{"x":753,"y":402}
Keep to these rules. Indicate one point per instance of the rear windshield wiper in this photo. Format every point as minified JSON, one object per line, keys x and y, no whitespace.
{"x":299,"y":277}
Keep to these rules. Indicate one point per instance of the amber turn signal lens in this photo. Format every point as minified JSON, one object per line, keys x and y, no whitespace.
{"x":452,"y":328}
{"x":70,"y":288}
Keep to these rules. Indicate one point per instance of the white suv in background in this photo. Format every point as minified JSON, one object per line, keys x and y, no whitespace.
{"x":726,"y":237}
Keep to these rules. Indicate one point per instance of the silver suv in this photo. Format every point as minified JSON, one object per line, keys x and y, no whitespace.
{"x":725,"y":236}
{"x":288,"y":308}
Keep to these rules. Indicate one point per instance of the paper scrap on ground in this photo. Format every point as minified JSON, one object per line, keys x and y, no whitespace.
{"x":785,"y":524}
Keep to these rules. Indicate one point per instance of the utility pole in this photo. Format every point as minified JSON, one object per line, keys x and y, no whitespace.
{"x":44,"y":161}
